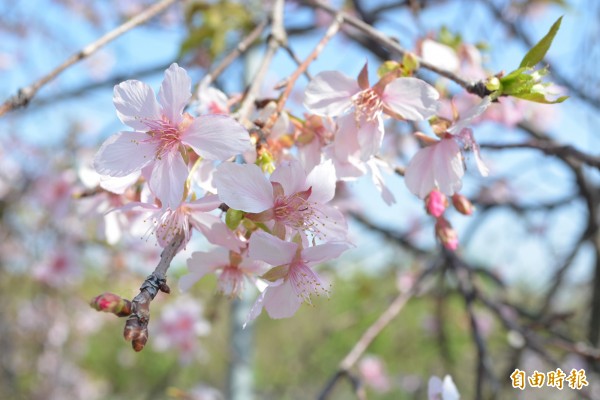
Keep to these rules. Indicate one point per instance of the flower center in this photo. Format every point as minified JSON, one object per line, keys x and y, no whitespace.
{"x":295,"y":211}
{"x":305,"y":281}
{"x":166,"y":134}
{"x":368,"y":105}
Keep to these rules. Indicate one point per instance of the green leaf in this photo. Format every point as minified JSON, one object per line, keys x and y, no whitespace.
{"x":537,"y":52}
{"x":233,"y":218}
{"x":539,"y":98}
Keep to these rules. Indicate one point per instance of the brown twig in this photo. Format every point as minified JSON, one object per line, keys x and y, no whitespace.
{"x":240,"y":49}
{"x":373,"y":331}
{"x":24,"y":96}
{"x":472,"y":87}
{"x":291,"y":81}
{"x":548,"y":148}
{"x":277,"y":38}
{"x":137,"y":310}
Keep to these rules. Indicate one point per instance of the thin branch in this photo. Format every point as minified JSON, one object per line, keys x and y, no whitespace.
{"x":24,"y":96}
{"x":277,"y":38}
{"x":373,"y":331}
{"x":291,"y":81}
{"x":549,"y":149}
{"x":238,"y":51}
{"x":472,"y":87}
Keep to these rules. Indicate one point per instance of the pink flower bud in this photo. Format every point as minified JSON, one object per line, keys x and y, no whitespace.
{"x":111,"y":303}
{"x":435,"y":203}
{"x":462,"y":204}
{"x":446,"y":234}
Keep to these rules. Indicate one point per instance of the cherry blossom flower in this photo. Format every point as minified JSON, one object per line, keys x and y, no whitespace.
{"x":162,"y":130}
{"x":166,"y":224}
{"x":372,"y":371}
{"x":292,"y":281}
{"x":179,"y":326}
{"x":292,"y":200}
{"x":440,"y":165}
{"x":210,"y":99}
{"x":332,"y":93}
{"x":232,"y":270}
{"x":442,"y":390}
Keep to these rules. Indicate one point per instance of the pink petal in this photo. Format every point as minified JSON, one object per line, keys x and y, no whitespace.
{"x":467,"y":117}
{"x":119,"y":185}
{"x":346,"y":138}
{"x":436,"y":166}
{"x":243,"y":187}
{"x":135,"y":102}
{"x":324,"y":252}
{"x":201,"y":264}
{"x":217,"y":137}
{"x":268,"y":248}
{"x":291,"y":176}
{"x":322,"y":180}
{"x":370,"y":137}
{"x":207,"y":203}
{"x":124,"y":153}
{"x":281,"y":301}
{"x":375,"y":165}
{"x":440,"y":55}
{"x":167,"y":180}
{"x":175,"y":92}
{"x":216,"y":232}
{"x":412,"y":98}
{"x":330,"y":93}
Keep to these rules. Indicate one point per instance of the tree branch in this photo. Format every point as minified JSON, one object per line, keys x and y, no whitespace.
{"x":24,"y":96}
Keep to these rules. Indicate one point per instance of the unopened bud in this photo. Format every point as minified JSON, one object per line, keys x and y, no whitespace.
{"x":139,"y":343}
{"x":435,"y":203}
{"x":462,"y":204}
{"x":112,"y":303}
{"x":446,"y":234}
{"x":133,"y":329}
{"x":410,"y":62}
{"x":492,"y":84}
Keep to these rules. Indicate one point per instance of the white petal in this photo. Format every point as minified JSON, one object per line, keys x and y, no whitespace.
{"x":168,"y":178}
{"x":124,"y":153}
{"x":291,"y":176}
{"x":217,"y":137}
{"x":281,"y":301}
{"x":324,"y":252}
{"x":268,"y":248}
{"x":370,"y":137}
{"x":322,"y":180}
{"x":216,"y":232}
{"x":119,"y":185}
{"x":436,"y":166}
{"x":448,"y":167}
{"x":434,"y":388}
{"x":411,"y":98}
{"x":467,"y":117}
{"x":243,"y":187}
{"x":375,"y":165}
{"x":175,"y":92}
{"x":135,"y":102}
{"x":440,"y":55}
{"x":346,"y":137}
{"x":449,"y":390}
{"x":329,"y":93}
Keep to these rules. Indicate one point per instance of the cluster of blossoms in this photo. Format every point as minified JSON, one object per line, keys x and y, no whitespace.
{"x":279,"y":221}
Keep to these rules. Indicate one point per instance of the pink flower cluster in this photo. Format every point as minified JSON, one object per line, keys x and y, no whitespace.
{"x":279,"y":221}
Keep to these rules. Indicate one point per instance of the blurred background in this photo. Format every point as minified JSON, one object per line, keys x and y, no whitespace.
{"x":531,"y":246}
